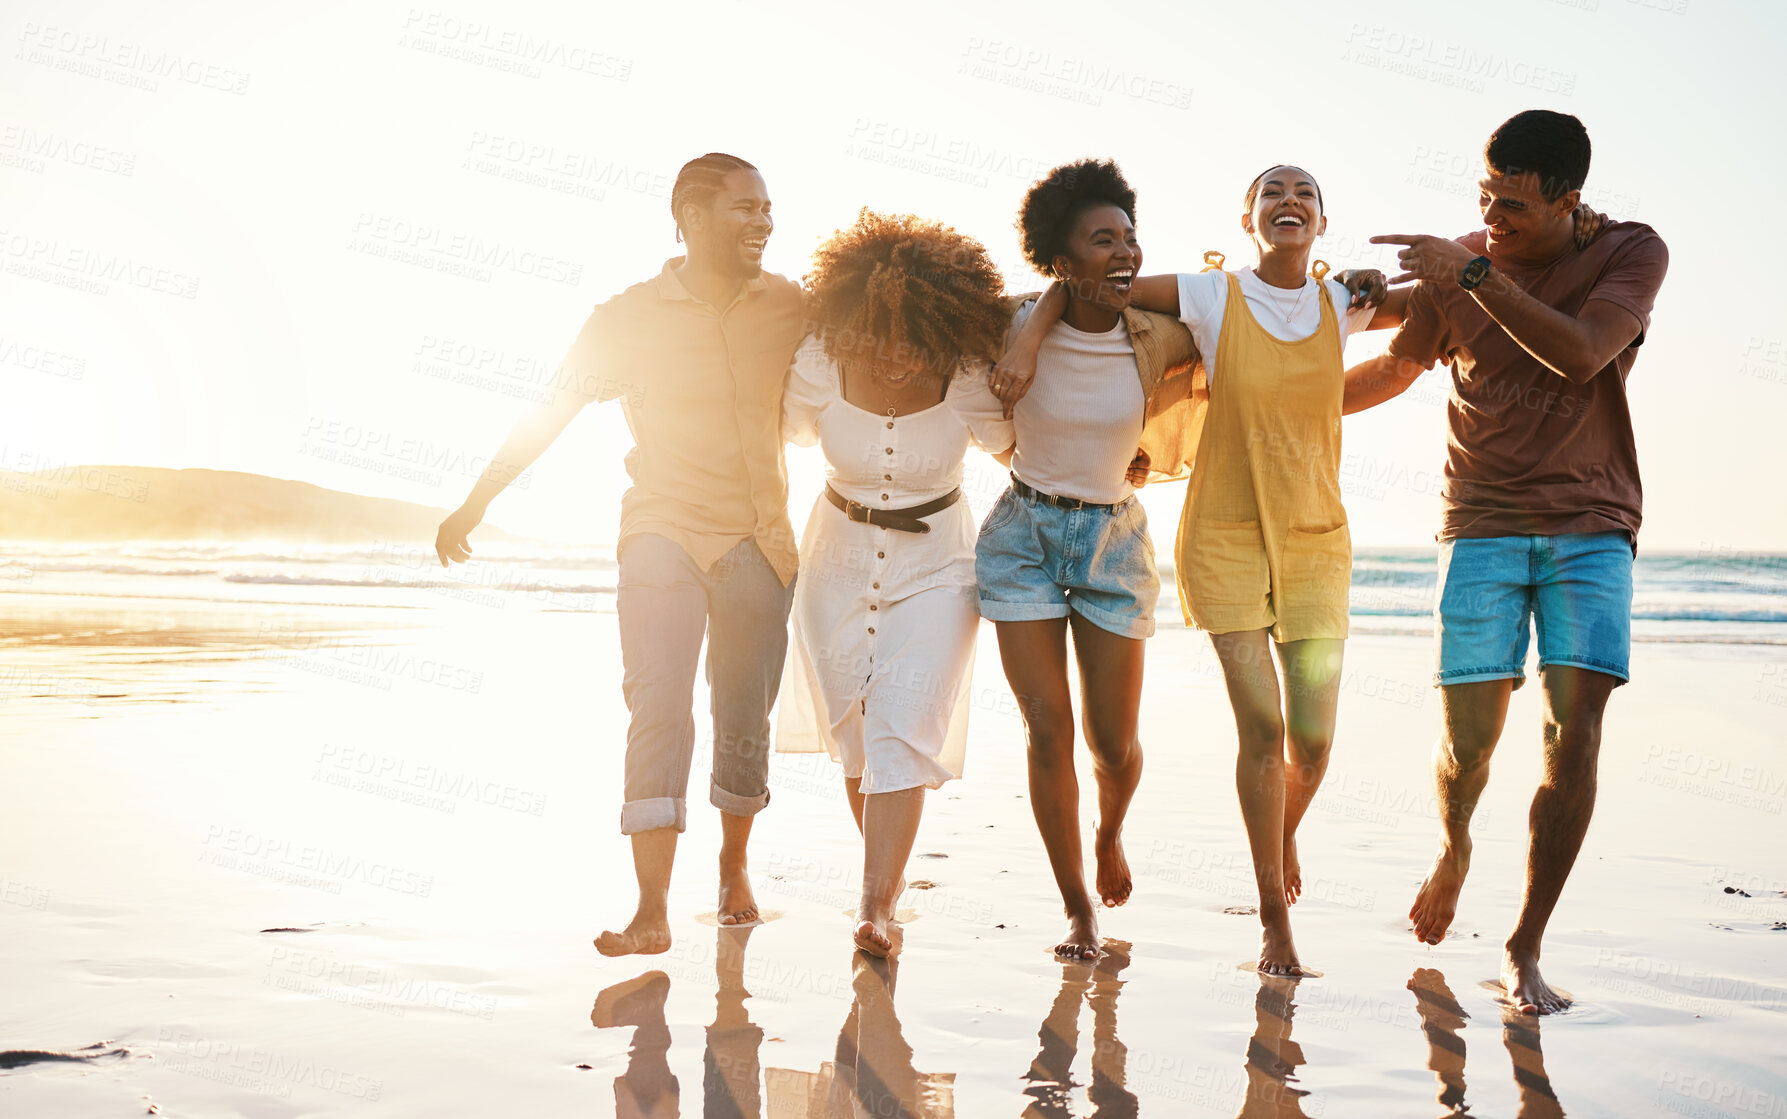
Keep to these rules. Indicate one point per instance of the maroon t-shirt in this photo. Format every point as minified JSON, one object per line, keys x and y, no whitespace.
{"x":1528,"y":452}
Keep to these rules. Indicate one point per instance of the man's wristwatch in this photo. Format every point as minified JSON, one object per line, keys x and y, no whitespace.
{"x":1474,"y":273}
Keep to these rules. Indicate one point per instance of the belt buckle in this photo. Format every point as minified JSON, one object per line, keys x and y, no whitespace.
{"x":1071,"y":503}
{"x":852,"y":508}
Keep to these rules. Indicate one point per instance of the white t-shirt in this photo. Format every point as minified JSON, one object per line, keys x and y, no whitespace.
{"x":1079,"y":425}
{"x":1289,"y":316}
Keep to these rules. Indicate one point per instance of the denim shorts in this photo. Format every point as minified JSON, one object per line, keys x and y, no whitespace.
{"x":1576,"y":588}
{"x":1035,"y":561}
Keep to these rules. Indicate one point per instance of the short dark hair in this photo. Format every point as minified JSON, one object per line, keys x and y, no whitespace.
{"x":1554,"y":146}
{"x":1253,"y":188}
{"x":699,"y":181}
{"x":1054,"y":201}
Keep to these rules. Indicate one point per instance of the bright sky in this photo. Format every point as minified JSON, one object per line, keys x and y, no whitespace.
{"x":222,"y":226}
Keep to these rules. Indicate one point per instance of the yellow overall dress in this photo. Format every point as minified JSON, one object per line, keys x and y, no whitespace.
{"x":1263,"y":541}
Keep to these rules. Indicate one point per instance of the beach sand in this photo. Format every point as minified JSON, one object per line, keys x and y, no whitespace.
{"x":427,"y":801}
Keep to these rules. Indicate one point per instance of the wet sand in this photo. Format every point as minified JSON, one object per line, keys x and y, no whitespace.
{"x":352,"y":864}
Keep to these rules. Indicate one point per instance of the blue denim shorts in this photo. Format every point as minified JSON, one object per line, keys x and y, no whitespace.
{"x":1035,"y":561}
{"x":1575,"y":588}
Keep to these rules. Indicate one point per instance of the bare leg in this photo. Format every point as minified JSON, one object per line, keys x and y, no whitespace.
{"x":1312,"y":700}
{"x":890,"y":824}
{"x":1259,"y":781}
{"x":738,"y":906}
{"x":853,"y":793}
{"x":1474,"y":714}
{"x":1575,"y":699}
{"x":1035,"y":659}
{"x":648,"y":933}
{"x":1111,"y":697}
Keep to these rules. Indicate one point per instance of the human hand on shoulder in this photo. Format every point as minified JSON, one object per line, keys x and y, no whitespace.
{"x":1365,"y":287}
{"x":1589,"y":223}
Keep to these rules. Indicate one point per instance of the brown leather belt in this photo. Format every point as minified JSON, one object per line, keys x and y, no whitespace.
{"x":904,"y":520}
{"x":1035,"y":494}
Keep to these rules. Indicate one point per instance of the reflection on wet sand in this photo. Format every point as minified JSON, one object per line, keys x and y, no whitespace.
{"x":1051,"y":1073}
{"x":729,"y":1088}
{"x":1272,"y":1057}
{"x":1441,"y":1020}
{"x":647,"y":1090}
{"x":872,"y":1074}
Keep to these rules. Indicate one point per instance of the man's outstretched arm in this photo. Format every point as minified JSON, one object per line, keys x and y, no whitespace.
{"x":1573,"y":346}
{"x":529,"y":439}
{"x":1368,"y":285}
{"x":1375,"y":380}
{"x":577,"y":385}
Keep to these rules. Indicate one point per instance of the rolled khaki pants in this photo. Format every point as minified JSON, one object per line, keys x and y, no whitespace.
{"x":666,"y":602}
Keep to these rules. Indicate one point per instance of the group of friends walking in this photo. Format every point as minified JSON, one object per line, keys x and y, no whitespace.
{"x":902,"y":351}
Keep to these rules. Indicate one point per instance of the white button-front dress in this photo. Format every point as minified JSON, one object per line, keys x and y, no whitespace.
{"x":885,"y":620}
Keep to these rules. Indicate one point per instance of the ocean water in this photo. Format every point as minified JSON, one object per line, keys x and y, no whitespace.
{"x":1705,"y":596}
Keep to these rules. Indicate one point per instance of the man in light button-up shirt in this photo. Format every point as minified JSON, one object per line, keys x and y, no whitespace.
{"x":698,"y":357}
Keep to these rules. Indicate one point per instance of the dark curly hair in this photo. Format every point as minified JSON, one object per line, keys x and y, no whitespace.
{"x":899,"y":283}
{"x":1049,"y":209}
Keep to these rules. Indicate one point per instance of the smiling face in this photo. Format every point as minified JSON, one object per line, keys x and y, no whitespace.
{"x":1523,"y":226}
{"x":1102,"y":257}
{"x":901,"y":368}
{"x":1286,"y":211}
{"x":731,"y":229}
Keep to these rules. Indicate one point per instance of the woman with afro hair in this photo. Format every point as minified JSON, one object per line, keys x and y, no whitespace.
{"x":1263,"y":557}
{"x":1066,"y":548}
{"x":892,"y":385}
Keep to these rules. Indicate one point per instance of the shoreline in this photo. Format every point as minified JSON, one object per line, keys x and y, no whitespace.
{"x":446,"y":958}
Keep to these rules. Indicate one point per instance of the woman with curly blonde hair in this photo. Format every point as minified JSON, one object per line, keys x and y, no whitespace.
{"x":892,"y":385}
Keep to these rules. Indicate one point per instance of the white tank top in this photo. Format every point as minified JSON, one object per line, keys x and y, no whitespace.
{"x":1080,"y":424}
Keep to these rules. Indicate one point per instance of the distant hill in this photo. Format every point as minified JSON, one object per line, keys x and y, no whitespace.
{"x":151,"y":503}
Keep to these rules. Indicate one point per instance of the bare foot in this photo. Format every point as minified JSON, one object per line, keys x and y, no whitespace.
{"x":1437,"y":901}
{"x":1114,"y":882}
{"x":1081,"y":941}
{"x":871,"y":936}
{"x":1526,"y":989}
{"x":1293,"y":871}
{"x":738,"y":905}
{"x":1278,"y":956}
{"x":645,"y":935}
